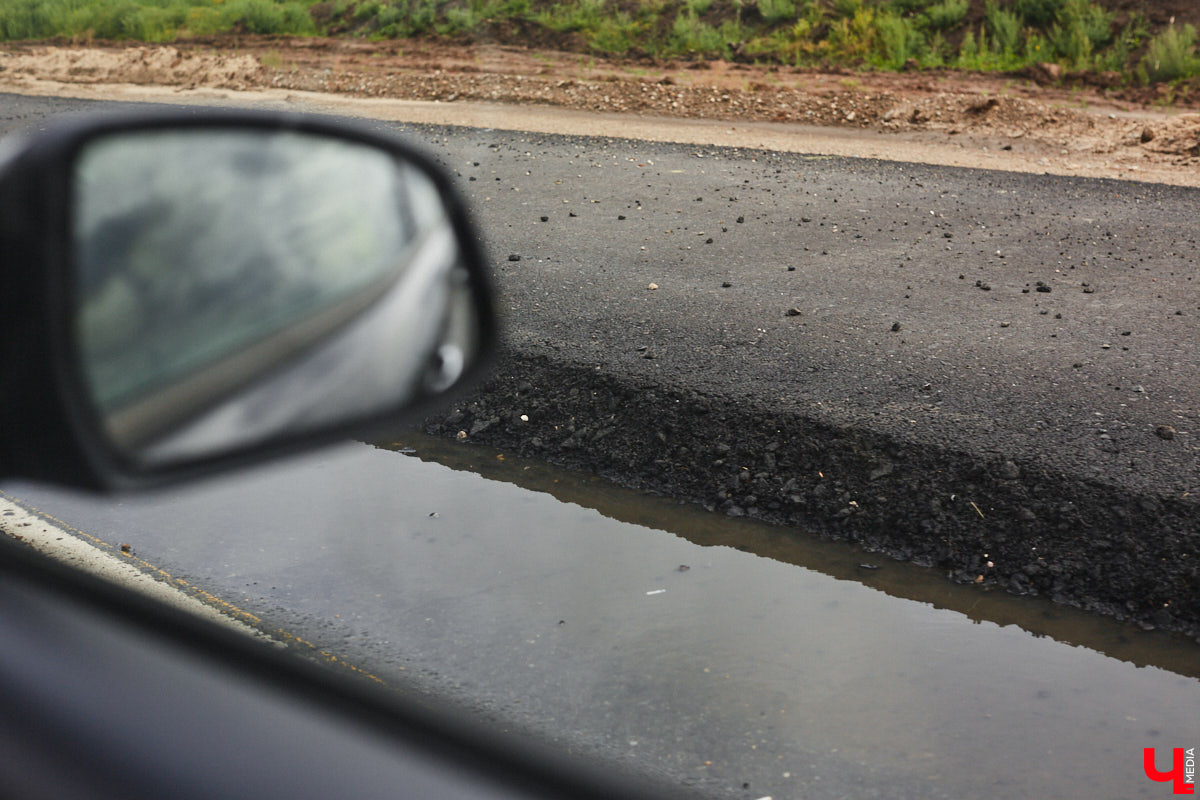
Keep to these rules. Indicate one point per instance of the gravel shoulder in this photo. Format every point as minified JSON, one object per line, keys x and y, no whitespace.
{"x":822,"y":326}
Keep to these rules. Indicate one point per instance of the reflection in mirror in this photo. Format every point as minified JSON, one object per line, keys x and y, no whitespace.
{"x":238,"y":285}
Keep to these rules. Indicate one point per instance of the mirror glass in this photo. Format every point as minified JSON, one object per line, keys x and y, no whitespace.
{"x":237,"y":285}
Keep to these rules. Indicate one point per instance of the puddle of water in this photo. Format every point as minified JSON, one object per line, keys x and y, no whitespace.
{"x":841,"y":560}
{"x":775,"y":656}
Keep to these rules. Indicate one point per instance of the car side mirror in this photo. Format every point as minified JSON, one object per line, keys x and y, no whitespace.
{"x":215,"y":288}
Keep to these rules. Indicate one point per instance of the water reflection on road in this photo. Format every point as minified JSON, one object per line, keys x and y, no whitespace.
{"x":774,"y":664}
{"x":836,"y":559}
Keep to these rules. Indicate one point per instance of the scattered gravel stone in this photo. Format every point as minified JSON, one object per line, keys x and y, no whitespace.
{"x":793,"y":312}
{"x":652,"y":286}
{"x":1165,"y":432}
{"x":895,"y":327}
{"x":514,"y":257}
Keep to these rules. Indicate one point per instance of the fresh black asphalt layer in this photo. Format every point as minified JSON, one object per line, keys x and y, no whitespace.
{"x":993,"y":373}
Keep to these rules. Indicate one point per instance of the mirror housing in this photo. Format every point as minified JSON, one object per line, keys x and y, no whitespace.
{"x":189,"y":291}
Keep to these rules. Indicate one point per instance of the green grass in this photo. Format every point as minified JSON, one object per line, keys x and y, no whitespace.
{"x":150,"y":20}
{"x":1083,"y":35}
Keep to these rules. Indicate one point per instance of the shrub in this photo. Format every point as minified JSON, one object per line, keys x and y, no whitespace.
{"x":1039,"y":13}
{"x":968,"y":50}
{"x":614,"y":33}
{"x":26,"y":19}
{"x":258,"y":16}
{"x":388,"y":16}
{"x":366,"y":10}
{"x":297,"y":20}
{"x":1083,"y":28}
{"x":1172,"y":55}
{"x":264,"y":16}
{"x":847,"y":8}
{"x":118,"y":21}
{"x":459,"y":19}
{"x":851,"y":39}
{"x":1005,"y":28}
{"x":777,"y":10}
{"x":935,"y":52}
{"x":947,"y":14}
{"x":897,"y":40}
{"x":421,"y":15}
{"x":400,"y":18}
{"x":1118,"y":56}
{"x":691,"y":35}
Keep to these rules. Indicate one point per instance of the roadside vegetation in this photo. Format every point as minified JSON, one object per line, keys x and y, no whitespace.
{"x":1098,"y":38}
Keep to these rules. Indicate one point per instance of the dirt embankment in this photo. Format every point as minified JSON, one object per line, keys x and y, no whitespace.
{"x":1088,"y":130}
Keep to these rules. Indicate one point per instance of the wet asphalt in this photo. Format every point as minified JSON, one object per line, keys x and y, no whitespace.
{"x":994,"y":373}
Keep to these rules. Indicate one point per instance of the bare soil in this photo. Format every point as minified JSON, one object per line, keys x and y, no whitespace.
{"x":1027,"y":122}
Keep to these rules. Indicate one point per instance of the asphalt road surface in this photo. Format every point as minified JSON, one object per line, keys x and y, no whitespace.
{"x":938,"y":363}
